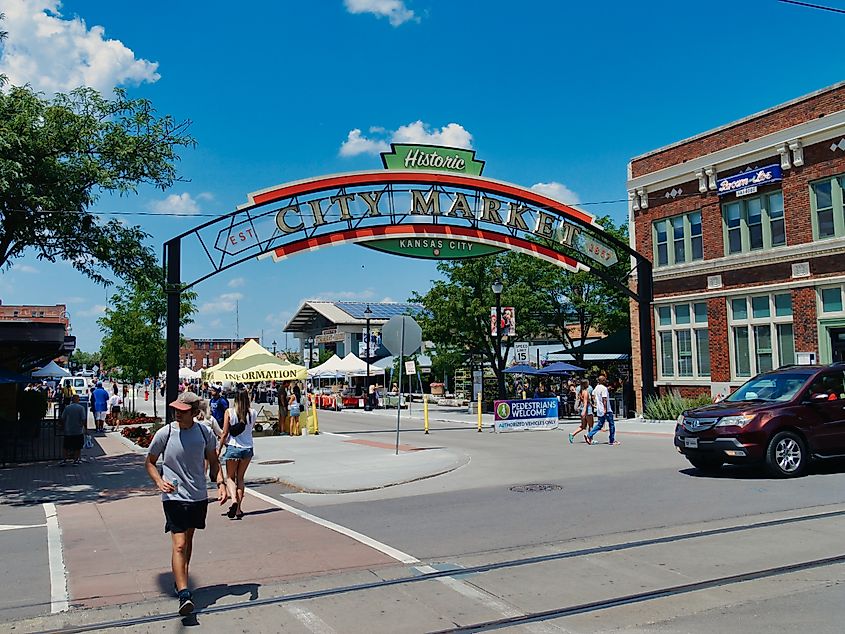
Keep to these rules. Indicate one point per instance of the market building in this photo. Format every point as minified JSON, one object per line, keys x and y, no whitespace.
{"x":342,"y":326}
{"x":745,"y":225}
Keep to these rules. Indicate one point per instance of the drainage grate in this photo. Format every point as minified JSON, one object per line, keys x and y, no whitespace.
{"x":536,"y":488}
{"x":276,"y":462}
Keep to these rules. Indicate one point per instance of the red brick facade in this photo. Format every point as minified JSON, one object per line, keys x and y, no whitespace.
{"x":38,"y":314}
{"x":204,"y":353}
{"x":807,"y":138}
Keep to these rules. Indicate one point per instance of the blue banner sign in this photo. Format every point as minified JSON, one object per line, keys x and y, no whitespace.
{"x":747,"y":182}
{"x":532,"y":413}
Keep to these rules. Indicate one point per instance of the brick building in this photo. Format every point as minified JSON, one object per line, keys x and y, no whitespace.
{"x":198,"y":354}
{"x":36,"y":314}
{"x":745,"y":225}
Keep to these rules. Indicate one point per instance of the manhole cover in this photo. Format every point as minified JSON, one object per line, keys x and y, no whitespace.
{"x":276,"y":462}
{"x":535,"y":488}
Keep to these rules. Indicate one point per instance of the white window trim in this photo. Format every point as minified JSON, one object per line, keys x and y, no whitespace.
{"x":674,"y":328}
{"x":750,"y":322}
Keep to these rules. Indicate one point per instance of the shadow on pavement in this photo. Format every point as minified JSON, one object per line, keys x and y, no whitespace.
{"x":207,"y":596}
{"x":100,"y":477}
{"x":759,"y":472}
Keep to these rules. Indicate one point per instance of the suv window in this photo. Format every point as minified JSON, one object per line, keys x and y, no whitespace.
{"x":779,"y":387}
{"x":828,"y":386}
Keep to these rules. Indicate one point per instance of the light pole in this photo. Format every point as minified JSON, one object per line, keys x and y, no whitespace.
{"x":310,"y":351}
{"x":367,"y":405}
{"x":497,"y":291}
{"x":274,"y":347}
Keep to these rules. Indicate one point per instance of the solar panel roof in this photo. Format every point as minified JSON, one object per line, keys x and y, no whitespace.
{"x":379,"y":310}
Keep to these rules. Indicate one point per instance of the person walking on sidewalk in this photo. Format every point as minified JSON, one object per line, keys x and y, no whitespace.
{"x":183,"y":447}
{"x":237,"y":436}
{"x":75,"y":419}
{"x":100,"y":400}
{"x":585,"y":409}
{"x":604,"y":412}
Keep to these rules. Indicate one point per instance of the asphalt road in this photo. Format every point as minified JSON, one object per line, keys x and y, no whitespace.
{"x":627,"y":538}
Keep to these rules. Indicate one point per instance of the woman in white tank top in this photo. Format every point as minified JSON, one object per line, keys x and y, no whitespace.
{"x":237,"y":436}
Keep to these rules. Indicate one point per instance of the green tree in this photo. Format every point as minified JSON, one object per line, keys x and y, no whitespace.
{"x":58,"y":155}
{"x":133,"y":327}
{"x":586,"y":300}
{"x":82,"y":359}
{"x":457,"y":315}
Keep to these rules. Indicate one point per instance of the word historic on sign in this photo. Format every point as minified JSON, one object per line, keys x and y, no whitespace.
{"x":511,"y":215}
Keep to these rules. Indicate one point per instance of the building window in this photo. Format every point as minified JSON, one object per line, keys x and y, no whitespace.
{"x":16,"y":314}
{"x":832,"y":299}
{"x":761,"y":333}
{"x":684,"y":341}
{"x":828,"y":204}
{"x":754,"y":223}
{"x":678,"y":239}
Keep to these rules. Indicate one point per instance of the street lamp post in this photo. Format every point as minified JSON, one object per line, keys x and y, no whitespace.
{"x":274,"y":347}
{"x":310,"y":350}
{"x":367,"y":404}
{"x":497,"y":291}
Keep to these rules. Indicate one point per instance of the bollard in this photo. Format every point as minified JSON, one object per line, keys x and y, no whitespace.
{"x":523,"y":395}
{"x":316,"y":421}
{"x":479,"y":411}
{"x":425,"y":412}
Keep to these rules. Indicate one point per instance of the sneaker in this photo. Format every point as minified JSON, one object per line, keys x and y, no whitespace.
{"x":588,"y":440}
{"x":614,"y":443}
{"x":571,"y":439}
{"x":186,"y":604}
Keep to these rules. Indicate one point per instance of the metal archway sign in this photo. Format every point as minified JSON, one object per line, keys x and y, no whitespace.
{"x":444,"y":209}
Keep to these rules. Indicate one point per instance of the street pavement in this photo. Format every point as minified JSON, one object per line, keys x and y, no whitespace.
{"x":407,"y":551}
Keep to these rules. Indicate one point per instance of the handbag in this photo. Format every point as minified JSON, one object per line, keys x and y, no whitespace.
{"x":238,"y":428}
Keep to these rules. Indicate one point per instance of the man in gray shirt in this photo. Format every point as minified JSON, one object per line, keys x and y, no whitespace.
{"x":75,"y":418}
{"x":184,"y":446}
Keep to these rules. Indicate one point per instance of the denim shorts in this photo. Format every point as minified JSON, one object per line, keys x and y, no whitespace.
{"x":237,"y":453}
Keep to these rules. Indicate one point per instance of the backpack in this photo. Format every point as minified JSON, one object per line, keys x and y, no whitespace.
{"x":238,"y":428}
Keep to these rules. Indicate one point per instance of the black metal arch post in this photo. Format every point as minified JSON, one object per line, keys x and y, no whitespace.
{"x":645,"y":295}
{"x":173,"y":288}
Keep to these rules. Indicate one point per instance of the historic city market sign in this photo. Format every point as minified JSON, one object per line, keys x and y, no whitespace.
{"x":403,"y":156}
{"x":433,"y":248}
{"x":748,"y":182}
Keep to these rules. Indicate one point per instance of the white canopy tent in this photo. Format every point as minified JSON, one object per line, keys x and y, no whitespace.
{"x":51,"y":371}
{"x":328,"y":370}
{"x":351,"y":365}
{"x":187,"y":373}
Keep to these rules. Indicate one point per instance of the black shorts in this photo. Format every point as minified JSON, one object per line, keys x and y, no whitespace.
{"x":179,"y":516}
{"x":74,"y":443}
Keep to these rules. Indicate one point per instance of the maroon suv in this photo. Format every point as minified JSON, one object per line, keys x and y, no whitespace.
{"x":782,"y":418}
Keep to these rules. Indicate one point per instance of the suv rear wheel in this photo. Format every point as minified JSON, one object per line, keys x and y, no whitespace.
{"x":705,"y":464}
{"x":786,"y":456}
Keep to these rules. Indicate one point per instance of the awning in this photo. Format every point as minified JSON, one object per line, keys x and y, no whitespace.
{"x":617,"y":343}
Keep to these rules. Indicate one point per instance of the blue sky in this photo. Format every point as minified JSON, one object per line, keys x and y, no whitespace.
{"x":554,"y":93}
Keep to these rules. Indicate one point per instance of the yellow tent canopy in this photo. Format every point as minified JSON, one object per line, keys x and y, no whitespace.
{"x":253,"y":363}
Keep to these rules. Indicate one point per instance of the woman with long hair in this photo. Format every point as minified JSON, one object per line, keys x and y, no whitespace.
{"x":238,"y":423}
{"x":294,"y":406}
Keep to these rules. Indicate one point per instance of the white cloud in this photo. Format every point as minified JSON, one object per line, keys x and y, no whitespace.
{"x":236,"y":282}
{"x":450,"y":135}
{"x":224,"y":303}
{"x":95,"y":311}
{"x":393,"y":10}
{"x":74,"y":300}
{"x":279,"y":319}
{"x":558,"y":191}
{"x":342,"y":296}
{"x":356,"y":144}
{"x":179,"y":204}
{"x":24,"y":268}
{"x":54,"y":54}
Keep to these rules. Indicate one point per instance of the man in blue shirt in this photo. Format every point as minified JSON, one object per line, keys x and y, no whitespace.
{"x":100,"y":399}
{"x":218,"y":404}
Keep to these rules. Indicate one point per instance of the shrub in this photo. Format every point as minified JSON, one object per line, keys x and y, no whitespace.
{"x":670,"y":406}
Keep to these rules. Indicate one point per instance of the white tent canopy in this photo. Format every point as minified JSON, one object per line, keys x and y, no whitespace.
{"x":51,"y":371}
{"x":353,"y":366}
{"x":329,"y":369}
{"x":187,"y":373}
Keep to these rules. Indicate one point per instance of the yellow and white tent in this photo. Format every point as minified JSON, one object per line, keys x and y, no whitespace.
{"x":253,"y":363}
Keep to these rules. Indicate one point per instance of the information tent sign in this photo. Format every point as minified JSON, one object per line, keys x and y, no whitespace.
{"x":533,"y":413}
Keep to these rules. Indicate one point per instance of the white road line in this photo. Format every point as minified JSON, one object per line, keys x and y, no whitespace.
{"x":58,"y":578}
{"x":332,"y":433}
{"x":310,"y":620}
{"x":13,"y":527}
{"x":398,"y":555}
